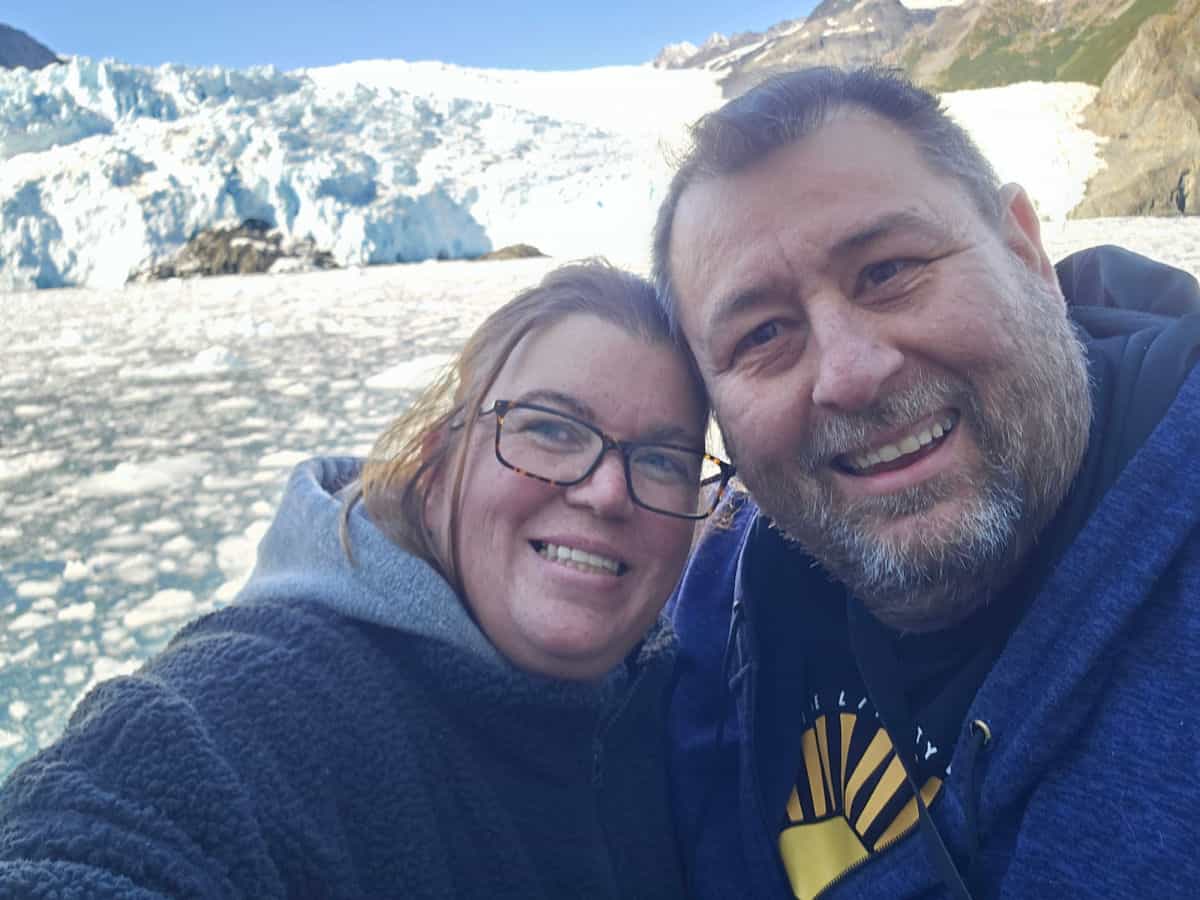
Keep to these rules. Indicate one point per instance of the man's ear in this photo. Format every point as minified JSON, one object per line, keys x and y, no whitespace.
{"x":1022,"y":232}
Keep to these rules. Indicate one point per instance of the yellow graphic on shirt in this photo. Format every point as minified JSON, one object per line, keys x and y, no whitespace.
{"x":851,"y":799}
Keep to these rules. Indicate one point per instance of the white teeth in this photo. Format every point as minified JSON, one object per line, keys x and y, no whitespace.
{"x":579,"y":559}
{"x":903,"y":447}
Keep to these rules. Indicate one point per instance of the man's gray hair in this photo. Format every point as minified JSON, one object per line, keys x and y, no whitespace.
{"x":788,"y":107}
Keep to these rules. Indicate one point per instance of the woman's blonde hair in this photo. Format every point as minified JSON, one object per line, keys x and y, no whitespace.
{"x":410,"y":455}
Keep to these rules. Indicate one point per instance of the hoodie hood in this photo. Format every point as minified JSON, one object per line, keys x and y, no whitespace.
{"x":301,"y":558}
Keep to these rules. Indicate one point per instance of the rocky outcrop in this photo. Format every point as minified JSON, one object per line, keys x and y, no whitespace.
{"x":245,"y":249}
{"x":1149,"y":107}
{"x":513,"y":251}
{"x":17,"y":49}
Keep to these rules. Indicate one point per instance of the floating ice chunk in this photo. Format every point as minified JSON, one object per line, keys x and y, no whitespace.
{"x":30,"y":621}
{"x":138,"y":570}
{"x":26,"y":653}
{"x":411,"y":375}
{"x":31,"y":411}
{"x":312,"y":422}
{"x":73,"y":675}
{"x":179,"y":545}
{"x":76,"y":570}
{"x":162,"y":527}
{"x":28,"y":589}
{"x":10,"y":739}
{"x":233,"y":404}
{"x":124,"y":542}
{"x":87,"y":362}
{"x":283,"y":459}
{"x":16,"y":468}
{"x":165,"y":606}
{"x":18,"y":710}
{"x":213,"y":360}
{"x":153,"y":476}
{"x":78,"y":612}
{"x":236,"y":555}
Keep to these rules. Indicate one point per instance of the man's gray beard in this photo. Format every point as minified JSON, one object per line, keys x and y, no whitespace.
{"x":1031,"y":438}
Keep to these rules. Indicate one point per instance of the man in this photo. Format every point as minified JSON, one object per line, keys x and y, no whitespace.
{"x":950,"y":646}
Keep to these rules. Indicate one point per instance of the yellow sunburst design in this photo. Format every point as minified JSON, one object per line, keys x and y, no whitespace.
{"x":851,"y":799}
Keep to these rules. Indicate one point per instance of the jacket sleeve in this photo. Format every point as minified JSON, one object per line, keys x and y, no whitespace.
{"x":135,"y":801}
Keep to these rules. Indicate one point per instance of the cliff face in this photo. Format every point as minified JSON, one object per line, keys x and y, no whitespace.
{"x":1149,"y":106}
{"x":19,"y":49}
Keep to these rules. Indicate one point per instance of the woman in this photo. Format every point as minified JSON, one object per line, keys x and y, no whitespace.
{"x":445,"y":676}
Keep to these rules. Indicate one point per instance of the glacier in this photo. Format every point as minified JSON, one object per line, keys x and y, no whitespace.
{"x":108,"y":168}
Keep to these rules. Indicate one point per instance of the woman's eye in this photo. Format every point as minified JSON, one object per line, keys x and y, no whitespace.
{"x":666,"y":466}
{"x":552,"y":431}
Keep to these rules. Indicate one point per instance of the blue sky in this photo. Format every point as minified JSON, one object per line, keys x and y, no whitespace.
{"x":534,"y":34}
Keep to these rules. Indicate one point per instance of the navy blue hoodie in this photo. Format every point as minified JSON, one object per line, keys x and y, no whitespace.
{"x":1085,"y":777}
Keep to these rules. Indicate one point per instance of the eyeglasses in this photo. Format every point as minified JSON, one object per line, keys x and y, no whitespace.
{"x":563,"y":450}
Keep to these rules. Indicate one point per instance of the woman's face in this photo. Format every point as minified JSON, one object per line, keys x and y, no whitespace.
{"x":572,"y":619}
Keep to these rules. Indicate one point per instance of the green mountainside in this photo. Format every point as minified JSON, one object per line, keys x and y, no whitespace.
{"x":1018,"y":44}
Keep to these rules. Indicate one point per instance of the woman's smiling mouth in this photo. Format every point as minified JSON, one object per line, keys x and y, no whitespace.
{"x":581,"y":560}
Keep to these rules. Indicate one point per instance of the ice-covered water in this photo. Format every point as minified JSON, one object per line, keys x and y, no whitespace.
{"x":145,"y":435}
{"x":146,"y":432}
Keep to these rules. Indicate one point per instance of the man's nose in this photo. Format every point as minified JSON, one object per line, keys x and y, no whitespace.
{"x":855,"y":360}
{"x":605,"y":490}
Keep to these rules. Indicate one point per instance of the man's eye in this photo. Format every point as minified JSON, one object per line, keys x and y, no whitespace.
{"x":764,"y":333}
{"x":883,"y":272}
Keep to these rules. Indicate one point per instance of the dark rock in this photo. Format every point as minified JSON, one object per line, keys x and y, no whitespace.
{"x":256,"y":226}
{"x":17,"y":49}
{"x":514,"y":251}
{"x":245,"y":249}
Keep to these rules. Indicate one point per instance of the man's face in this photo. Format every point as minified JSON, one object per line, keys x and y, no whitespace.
{"x":895,"y":377}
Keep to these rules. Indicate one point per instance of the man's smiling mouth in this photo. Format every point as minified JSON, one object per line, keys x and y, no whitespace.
{"x":897,"y":454}
{"x":582,"y":560}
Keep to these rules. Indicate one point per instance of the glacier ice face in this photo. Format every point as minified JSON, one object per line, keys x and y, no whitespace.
{"x":107,"y":168}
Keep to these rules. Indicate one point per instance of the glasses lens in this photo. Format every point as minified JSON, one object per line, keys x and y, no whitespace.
{"x":668,"y":479}
{"x":546,"y":444}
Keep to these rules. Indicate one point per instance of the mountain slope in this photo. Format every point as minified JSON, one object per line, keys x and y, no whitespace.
{"x":986,"y":43}
{"x":19,"y":49}
{"x":836,"y":33}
